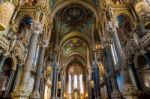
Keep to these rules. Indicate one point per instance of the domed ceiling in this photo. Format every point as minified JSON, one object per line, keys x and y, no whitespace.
{"x":74,"y":17}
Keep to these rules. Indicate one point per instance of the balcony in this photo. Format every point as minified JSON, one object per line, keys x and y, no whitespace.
{"x":145,"y":40}
{"x":4,"y":43}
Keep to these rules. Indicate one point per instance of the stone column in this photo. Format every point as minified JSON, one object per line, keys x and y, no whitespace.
{"x":88,"y":87}
{"x":35,"y":92}
{"x":129,"y":92}
{"x":16,"y":77}
{"x":7,"y":92}
{"x":22,"y":91}
{"x":116,"y":94}
{"x":57,"y":80}
{"x":54,"y":85}
{"x":62,"y":86}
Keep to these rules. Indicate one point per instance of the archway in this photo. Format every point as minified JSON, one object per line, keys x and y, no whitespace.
{"x":6,"y":76}
{"x":75,"y":78}
{"x":65,"y":3}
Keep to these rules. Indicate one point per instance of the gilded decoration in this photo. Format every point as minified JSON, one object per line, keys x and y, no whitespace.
{"x":74,"y":49}
{"x":6,"y":12}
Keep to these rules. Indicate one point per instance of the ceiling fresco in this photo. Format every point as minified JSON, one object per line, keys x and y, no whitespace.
{"x":74,"y":18}
{"x":74,"y":45}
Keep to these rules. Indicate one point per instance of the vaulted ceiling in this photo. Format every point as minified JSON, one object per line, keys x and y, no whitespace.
{"x":73,"y":17}
{"x":76,"y":23}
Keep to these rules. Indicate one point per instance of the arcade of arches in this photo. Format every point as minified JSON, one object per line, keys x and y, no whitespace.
{"x":74,"y":49}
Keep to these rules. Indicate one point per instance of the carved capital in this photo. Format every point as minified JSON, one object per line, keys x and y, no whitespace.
{"x":106,"y":41}
{"x":36,"y":27}
{"x":111,"y":26}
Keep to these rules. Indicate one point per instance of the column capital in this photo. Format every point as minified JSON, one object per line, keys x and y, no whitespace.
{"x":44,"y":43}
{"x":106,"y":41}
{"x":36,"y":27}
{"x":111,"y":26}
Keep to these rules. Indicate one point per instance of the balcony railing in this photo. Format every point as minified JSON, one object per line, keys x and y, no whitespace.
{"x":145,"y":40}
{"x":4,"y":43}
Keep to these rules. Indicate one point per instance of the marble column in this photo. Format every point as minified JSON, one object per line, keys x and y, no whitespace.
{"x":35,"y":92}
{"x":22,"y":91}
{"x":54,"y":85}
{"x":62,"y":86}
{"x":16,"y":77}
{"x":116,"y":94}
{"x":9,"y":84}
{"x":88,"y":87}
{"x":57,"y":80}
{"x":129,"y":92}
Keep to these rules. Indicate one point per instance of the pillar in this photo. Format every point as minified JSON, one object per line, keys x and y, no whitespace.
{"x":96,"y":81}
{"x":9,"y":83}
{"x":16,"y":77}
{"x":116,"y":94}
{"x":88,"y":87}
{"x":54,"y":84}
{"x":35,"y":92}
{"x":22,"y":90}
{"x":62,"y":86}
{"x":129,"y":92}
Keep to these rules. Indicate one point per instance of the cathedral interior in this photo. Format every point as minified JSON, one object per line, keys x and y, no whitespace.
{"x":74,"y":49}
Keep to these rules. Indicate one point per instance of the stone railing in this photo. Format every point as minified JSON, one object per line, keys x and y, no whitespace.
{"x":4,"y":43}
{"x":145,"y":40}
{"x":19,"y":51}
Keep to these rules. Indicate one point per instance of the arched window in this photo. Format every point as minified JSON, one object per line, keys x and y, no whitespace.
{"x":75,"y":82}
{"x":124,"y":29}
{"x":75,"y":79}
{"x":24,"y":29}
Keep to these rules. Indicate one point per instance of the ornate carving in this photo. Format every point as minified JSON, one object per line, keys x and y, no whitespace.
{"x":4,"y":43}
{"x":36,"y":27}
{"x":6,"y":12}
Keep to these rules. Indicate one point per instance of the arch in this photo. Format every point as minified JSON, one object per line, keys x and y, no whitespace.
{"x":79,"y":66}
{"x":13,"y":60}
{"x":125,"y":27}
{"x":74,"y":55}
{"x":140,"y":60}
{"x":65,"y":3}
{"x":74,"y":62}
{"x":124,"y":13}
{"x":80,"y":35}
{"x":8,"y":62}
{"x":19,"y":19}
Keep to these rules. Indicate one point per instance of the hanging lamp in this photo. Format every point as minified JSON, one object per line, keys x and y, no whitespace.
{"x":6,"y":12}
